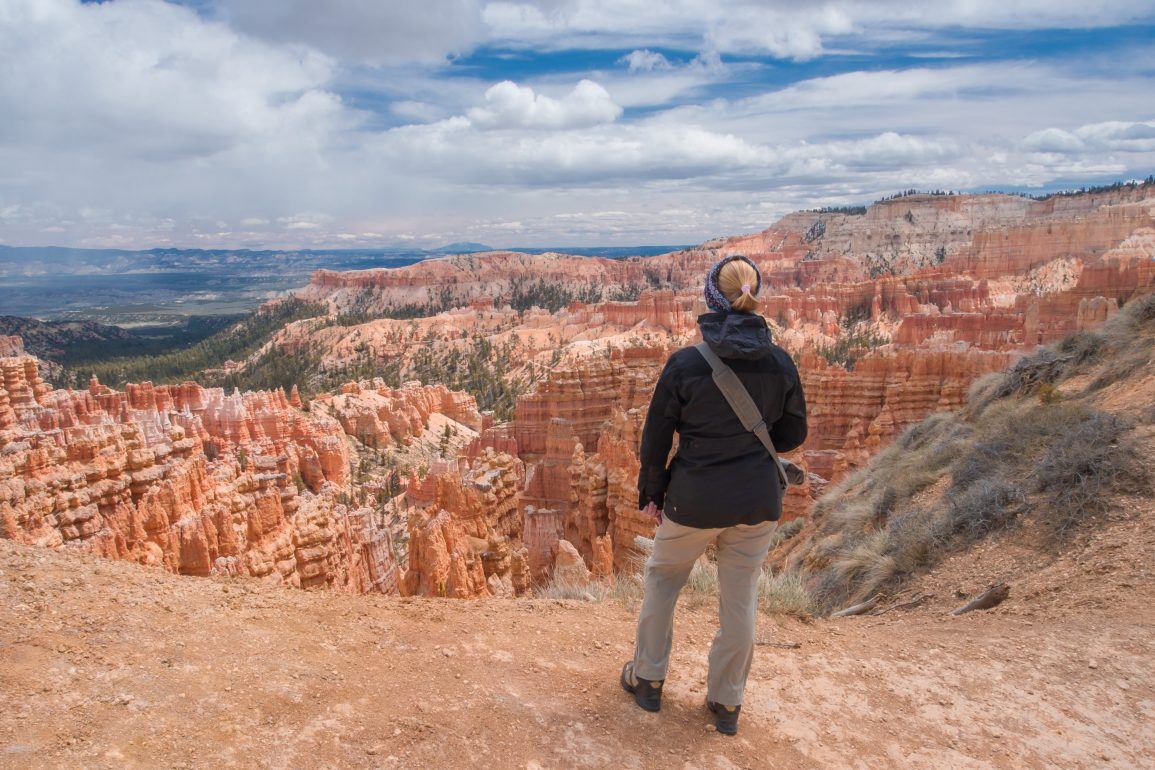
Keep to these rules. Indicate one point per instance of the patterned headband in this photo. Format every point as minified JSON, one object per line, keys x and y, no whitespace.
{"x":715,"y":299}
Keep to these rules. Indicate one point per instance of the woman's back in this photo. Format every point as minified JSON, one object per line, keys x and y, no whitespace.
{"x":721,"y":474}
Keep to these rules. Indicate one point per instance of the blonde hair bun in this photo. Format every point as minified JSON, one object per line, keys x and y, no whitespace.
{"x":738,"y":281}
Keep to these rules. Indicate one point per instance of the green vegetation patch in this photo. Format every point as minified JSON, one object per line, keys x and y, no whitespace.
{"x":235,"y":343}
{"x":846,"y":351}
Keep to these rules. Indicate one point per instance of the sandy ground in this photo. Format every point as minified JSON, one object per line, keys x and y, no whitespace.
{"x":105,"y":664}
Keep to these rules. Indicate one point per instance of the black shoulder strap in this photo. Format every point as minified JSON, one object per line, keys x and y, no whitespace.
{"x":740,"y":401}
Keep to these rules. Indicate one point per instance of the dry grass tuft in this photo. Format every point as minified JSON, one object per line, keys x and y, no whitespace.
{"x":914,"y":539}
{"x":702,"y":585}
{"x":594,"y":591}
{"x":983,"y":392}
{"x":1128,"y":365}
{"x":787,"y":531}
{"x":1083,"y":467}
{"x":628,"y":588}
{"x":784,"y":594}
{"x":983,"y":507}
{"x":1083,"y":347}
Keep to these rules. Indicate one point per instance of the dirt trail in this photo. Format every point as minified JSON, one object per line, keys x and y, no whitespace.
{"x":105,"y":664}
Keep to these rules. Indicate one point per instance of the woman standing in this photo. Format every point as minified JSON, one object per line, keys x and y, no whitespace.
{"x":722,"y":485}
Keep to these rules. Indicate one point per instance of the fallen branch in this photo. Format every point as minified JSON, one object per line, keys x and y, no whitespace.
{"x":991,"y":597}
{"x":903,"y":605}
{"x":781,"y":645}
{"x":858,"y":609}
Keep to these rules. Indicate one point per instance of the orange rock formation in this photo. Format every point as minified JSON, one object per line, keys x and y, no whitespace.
{"x":465,"y":529}
{"x":201,"y":482}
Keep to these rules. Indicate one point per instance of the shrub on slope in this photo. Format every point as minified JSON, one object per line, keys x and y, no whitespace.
{"x":1033,"y":444}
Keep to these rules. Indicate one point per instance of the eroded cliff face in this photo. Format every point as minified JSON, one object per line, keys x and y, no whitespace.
{"x":381,"y":417}
{"x":465,"y":529}
{"x":200,"y":482}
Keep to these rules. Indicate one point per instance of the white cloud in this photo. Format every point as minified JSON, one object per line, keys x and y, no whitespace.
{"x":365,"y":30}
{"x":456,"y":150}
{"x":884,"y":87}
{"x":508,"y":105}
{"x":1053,"y":140}
{"x":606,"y":155}
{"x":413,"y":110}
{"x":795,"y":31}
{"x":643,"y":60}
{"x":783,"y":28}
{"x":1115,"y":135}
{"x":148,"y":80}
{"x":665,"y":83}
{"x":1118,"y":135}
{"x":141,"y":123}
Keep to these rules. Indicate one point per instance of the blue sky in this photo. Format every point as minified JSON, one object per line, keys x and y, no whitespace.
{"x":284,"y":123}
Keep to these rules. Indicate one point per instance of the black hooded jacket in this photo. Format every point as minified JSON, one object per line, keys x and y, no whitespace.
{"x":721,"y":474}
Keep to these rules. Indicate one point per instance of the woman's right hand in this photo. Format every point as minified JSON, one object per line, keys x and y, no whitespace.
{"x":653,"y":511}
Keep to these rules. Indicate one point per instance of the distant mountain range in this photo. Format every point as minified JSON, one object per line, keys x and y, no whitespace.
{"x":160,"y":286}
{"x":462,"y":247}
{"x":29,"y":261}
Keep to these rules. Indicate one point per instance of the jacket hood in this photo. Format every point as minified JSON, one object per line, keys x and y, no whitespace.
{"x":736,"y":334}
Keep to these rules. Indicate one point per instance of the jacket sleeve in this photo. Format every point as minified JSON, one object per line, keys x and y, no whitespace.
{"x":789,"y":431}
{"x":657,"y":437}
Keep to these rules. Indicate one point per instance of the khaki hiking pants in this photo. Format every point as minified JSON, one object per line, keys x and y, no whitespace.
{"x":741,"y":551}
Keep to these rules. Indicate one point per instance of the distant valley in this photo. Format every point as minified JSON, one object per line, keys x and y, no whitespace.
{"x":164,"y":287}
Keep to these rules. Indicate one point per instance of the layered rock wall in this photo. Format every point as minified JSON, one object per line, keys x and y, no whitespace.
{"x":466,"y":529}
{"x":380,"y":417}
{"x":191,"y":480}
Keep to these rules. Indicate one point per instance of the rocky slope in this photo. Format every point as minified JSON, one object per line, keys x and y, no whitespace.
{"x":50,"y":339}
{"x":1042,"y":461}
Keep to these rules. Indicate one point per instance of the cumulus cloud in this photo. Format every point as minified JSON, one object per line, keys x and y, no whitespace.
{"x":795,"y":32}
{"x":646,"y":78}
{"x":1053,"y":140}
{"x":1120,"y":135}
{"x":644,"y":152}
{"x":431,"y":30}
{"x":149,"y":80}
{"x":644,"y":60}
{"x":508,"y":105}
{"x":146,"y":114}
{"x":861,"y":88}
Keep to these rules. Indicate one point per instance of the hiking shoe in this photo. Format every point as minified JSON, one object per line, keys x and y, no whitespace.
{"x":725,"y":717}
{"x":647,"y":693}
